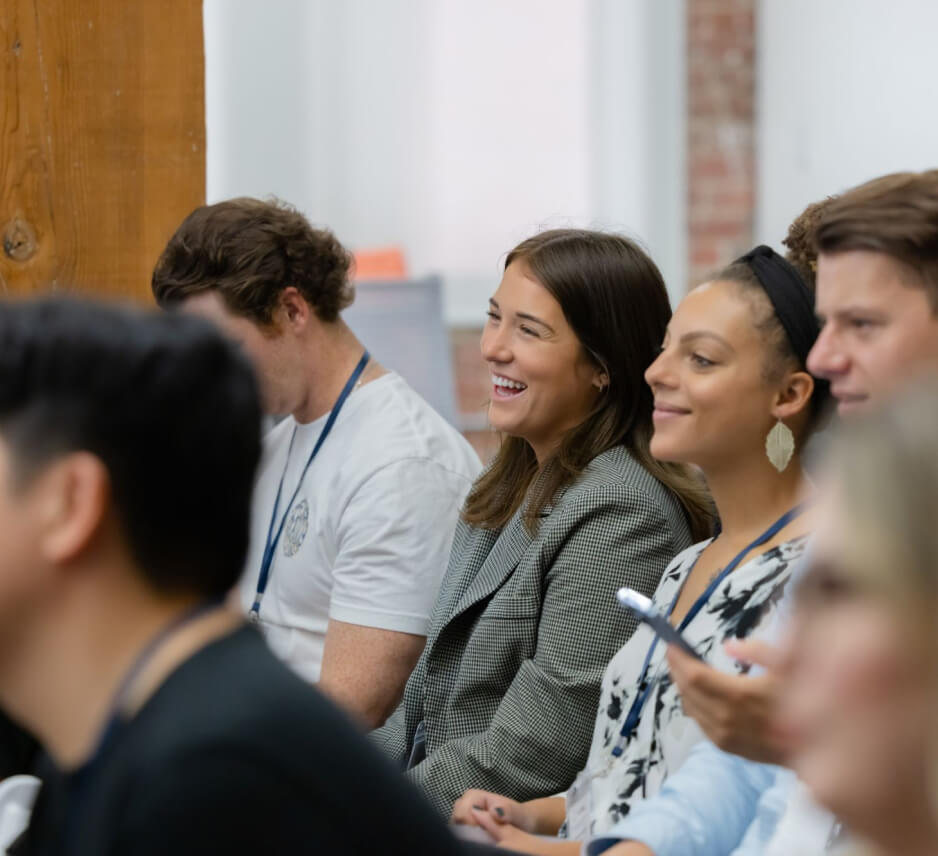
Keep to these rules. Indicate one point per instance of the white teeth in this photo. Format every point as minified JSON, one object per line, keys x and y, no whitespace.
{"x":508,"y":384}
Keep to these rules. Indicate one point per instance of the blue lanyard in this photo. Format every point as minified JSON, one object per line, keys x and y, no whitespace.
{"x":274,"y":530}
{"x":644,"y":686}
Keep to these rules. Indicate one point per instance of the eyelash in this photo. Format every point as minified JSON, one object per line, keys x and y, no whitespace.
{"x":702,"y":362}
{"x":494,"y":316}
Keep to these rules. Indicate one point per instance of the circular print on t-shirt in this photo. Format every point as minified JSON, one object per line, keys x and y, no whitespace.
{"x":295,"y":530}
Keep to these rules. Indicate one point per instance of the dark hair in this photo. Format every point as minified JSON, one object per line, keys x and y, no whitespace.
{"x":249,"y":251}
{"x":781,"y":356}
{"x":613,"y":297}
{"x":168,"y":406}
{"x":896,"y":215}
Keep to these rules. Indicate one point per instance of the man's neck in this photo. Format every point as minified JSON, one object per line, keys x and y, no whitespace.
{"x":331,"y":356}
{"x":64,"y":683}
{"x":751,"y":494}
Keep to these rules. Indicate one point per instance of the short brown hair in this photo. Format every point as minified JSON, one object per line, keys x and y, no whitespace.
{"x":896,"y":215}
{"x":249,"y":251}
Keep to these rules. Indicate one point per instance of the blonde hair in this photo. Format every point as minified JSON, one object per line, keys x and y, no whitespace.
{"x":885,"y":471}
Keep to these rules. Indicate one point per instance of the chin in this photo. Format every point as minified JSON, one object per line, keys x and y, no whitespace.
{"x":666,"y":452}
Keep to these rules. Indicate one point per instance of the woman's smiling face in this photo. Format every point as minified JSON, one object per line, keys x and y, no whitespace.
{"x":543,"y":382}
{"x":712,"y":395}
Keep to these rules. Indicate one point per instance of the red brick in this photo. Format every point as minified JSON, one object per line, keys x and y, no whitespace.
{"x":720,"y":132}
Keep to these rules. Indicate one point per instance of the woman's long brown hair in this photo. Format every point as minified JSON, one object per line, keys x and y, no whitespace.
{"x":614,"y":298}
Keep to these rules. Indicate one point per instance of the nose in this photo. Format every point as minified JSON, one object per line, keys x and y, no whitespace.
{"x":827,"y":359}
{"x":660,"y":373}
{"x":495,"y":344}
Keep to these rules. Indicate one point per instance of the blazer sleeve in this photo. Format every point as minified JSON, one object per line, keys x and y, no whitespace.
{"x":392,"y":737}
{"x":539,"y":737}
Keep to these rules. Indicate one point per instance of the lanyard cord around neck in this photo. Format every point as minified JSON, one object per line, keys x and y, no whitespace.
{"x":644,"y":686}
{"x":274,"y":529}
{"x":116,"y":718}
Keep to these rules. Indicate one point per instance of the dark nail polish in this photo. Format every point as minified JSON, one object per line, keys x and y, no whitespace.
{"x":500,"y":812}
{"x":477,"y":807}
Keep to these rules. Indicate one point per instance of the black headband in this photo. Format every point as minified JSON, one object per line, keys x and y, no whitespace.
{"x":791,"y":298}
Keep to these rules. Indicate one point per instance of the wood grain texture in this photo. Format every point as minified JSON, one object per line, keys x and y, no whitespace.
{"x":102,"y":140}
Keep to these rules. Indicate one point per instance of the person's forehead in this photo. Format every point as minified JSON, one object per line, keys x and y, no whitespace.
{"x":863,"y":277}
{"x":716,"y":307}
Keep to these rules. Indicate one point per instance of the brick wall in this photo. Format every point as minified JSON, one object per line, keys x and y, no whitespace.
{"x":720,"y":174}
{"x":720,"y":129}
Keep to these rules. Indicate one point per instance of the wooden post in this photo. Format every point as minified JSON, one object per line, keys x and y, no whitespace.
{"x":102,"y":140}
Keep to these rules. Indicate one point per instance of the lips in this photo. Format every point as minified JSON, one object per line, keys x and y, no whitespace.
{"x":504,"y":387}
{"x":849,"y":400}
{"x":664,"y":411}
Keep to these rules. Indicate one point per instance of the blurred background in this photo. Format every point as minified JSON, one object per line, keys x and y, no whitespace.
{"x":433,"y":135}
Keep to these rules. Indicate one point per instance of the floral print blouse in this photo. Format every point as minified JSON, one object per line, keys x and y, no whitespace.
{"x":743,"y":604}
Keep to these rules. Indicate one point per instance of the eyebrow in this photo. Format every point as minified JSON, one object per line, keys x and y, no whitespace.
{"x":705,"y":334}
{"x":525,"y":316}
{"x":853,"y":309}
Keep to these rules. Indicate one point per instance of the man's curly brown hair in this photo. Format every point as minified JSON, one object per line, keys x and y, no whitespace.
{"x":249,"y":251}
{"x":802,"y":252}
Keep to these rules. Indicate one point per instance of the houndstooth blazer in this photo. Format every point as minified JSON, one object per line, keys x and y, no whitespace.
{"x":508,"y":684}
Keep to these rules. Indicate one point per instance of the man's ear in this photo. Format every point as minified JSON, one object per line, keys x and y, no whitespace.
{"x":76,"y":498}
{"x":795,"y":396}
{"x":294,"y":310}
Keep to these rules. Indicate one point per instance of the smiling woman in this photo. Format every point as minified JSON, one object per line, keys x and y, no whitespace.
{"x":572,"y":508}
{"x":575,"y":318}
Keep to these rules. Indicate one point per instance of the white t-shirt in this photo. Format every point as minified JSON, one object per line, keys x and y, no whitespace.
{"x":367,"y":539}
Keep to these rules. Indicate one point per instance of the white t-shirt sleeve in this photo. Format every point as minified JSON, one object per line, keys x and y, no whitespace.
{"x":391,"y":554}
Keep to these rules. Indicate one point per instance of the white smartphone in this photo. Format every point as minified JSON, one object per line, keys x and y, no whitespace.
{"x":644,"y":609}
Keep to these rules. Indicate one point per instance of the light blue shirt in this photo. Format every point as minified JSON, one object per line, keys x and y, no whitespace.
{"x":716,"y":804}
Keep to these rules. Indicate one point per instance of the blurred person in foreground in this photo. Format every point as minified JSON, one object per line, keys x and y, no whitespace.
{"x":859,"y":701}
{"x":360,"y":485}
{"x":877,"y":298}
{"x":128,"y":445}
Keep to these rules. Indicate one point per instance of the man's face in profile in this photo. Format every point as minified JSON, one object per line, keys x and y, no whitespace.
{"x":266,"y":349}
{"x":879,"y":327}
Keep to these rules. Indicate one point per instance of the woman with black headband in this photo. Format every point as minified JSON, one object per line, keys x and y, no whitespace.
{"x":733,"y":397}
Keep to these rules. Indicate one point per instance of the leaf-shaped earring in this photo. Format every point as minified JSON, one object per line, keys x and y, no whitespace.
{"x":780,"y":445}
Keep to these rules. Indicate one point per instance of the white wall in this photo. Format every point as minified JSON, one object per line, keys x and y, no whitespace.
{"x":453,"y":128}
{"x":847,"y":90}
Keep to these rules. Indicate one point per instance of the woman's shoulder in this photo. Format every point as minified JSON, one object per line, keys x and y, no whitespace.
{"x":616,"y":473}
{"x":681,"y":564}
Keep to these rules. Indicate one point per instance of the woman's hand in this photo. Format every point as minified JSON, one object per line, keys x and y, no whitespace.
{"x":501,"y":809}
{"x":734,"y":711}
{"x":509,"y":837}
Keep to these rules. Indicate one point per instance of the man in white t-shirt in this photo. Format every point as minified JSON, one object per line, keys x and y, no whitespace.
{"x":361,"y":484}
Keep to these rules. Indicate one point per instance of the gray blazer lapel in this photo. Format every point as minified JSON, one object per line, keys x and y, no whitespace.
{"x":500,"y":562}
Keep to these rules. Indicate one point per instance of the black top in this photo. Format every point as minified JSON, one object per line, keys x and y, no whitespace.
{"x":17,"y":748}
{"x":233,"y":754}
